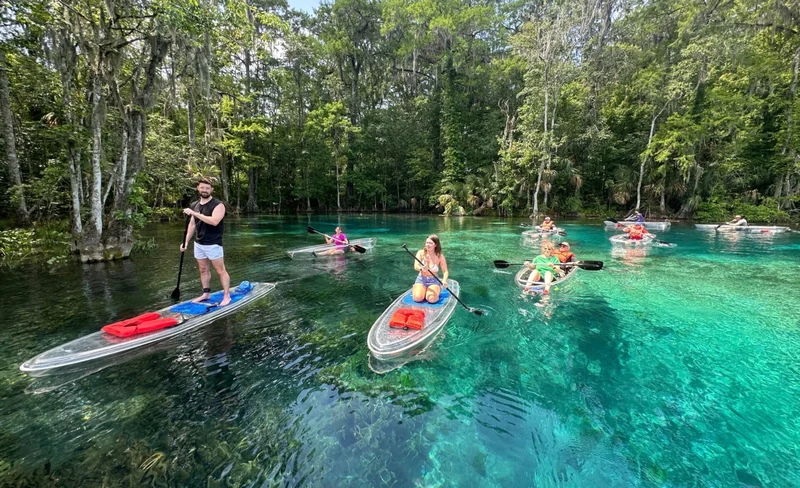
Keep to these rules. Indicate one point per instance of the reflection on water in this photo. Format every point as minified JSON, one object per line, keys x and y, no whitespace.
{"x":663,"y":369}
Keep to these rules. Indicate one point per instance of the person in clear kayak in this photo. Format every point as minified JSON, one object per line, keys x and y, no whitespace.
{"x":426,"y":288}
{"x":636,"y":232}
{"x":738,"y":220}
{"x":564,"y":255}
{"x":636,"y":216}
{"x":340,"y":242}
{"x":547,"y":225}
{"x":544,"y":267}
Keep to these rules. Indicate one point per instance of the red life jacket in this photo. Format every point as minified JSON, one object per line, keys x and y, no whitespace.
{"x":636,"y":232}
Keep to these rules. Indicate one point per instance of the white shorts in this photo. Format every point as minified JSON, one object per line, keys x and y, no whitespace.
{"x":212,"y":252}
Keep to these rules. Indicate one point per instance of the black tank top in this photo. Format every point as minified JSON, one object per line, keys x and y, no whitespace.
{"x":207,"y":234}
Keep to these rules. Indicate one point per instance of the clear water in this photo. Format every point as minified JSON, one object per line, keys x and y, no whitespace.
{"x":670,"y":367}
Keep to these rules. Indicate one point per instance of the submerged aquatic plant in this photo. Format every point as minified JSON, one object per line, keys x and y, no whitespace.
{"x":39,"y":245}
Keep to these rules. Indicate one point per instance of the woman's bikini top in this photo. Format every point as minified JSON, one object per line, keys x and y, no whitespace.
{"x":432,"y":269}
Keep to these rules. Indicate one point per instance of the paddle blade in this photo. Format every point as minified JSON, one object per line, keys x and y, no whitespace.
{"x":501,"y":264}
{"x":312,"y":230}
{"x":176,"y":293}
{"x":612,"y":219}
{"x":562,"y":233}
{"x":477,"y":311}
{"x":359,"y":249}
{"x":591,"y":265}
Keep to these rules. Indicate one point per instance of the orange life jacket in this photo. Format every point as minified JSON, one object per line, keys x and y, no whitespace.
{"x":564,"y":256}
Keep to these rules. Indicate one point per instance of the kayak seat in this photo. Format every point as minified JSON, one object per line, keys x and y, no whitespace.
{"x":407,"y":318}
{"x":144,"y":327}
{"x":443,"y":296}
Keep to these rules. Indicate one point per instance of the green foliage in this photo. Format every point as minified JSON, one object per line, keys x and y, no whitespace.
{"x":165,"y":214}
{"x":722,"y":211}
{"x":144,"y":246}
{"x":45,"y":245}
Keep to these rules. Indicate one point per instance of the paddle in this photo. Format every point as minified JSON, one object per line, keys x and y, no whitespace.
{"x":587,"y":265}
{"x":476,"y":311}
{"x":662,"y":243}
{"x":612,"y":219}
{"x":358,"y":248}
{"x":176,"y":293}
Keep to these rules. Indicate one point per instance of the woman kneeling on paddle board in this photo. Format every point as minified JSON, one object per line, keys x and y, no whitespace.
{"x":544,"y":266}
{"x":426,"y":287}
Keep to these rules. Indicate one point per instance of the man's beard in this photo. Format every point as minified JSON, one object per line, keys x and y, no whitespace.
{"x":205,"y":194}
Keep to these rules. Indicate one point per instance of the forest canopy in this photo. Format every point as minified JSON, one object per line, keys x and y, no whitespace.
{"x":111,"y":109}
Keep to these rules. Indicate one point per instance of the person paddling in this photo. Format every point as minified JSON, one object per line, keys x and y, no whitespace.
{"x":426,"y":288}
{"x":543,"y":267}
{"x":636,"y":231}
{"x":564,"y":254}
{"x":636,"y":216}
{"x":340,"y":242}
{"x":206,"y":227}
{"x":737,"y":221}
{"x":547,"y":225}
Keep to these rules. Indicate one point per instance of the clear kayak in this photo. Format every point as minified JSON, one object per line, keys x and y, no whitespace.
{"x":522,"y":276}
{"x":537,"y":234}
{"x":755,"y":229}
{"x":309,"y":252}
{"x":102,"y":344}
{"x":647,"y":225}
{"x":387,"y":343}
{"x":624,"y":240}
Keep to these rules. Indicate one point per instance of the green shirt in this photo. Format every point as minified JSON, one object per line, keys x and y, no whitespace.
{"x":543,"y":263}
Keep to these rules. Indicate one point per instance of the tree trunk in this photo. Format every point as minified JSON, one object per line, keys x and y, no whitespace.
{"x":121,"y":168}
{"x":223,"y":174}
{"x":644,"y":159}
{"x":190,"y":116}
{"x":354,"y":120}
{"x":91,"y":245}
{"x":18,"y":197}
{"x":338,"y":191}
{"x":687,"y":208}
{"x":252,"y":181}
{"x":545,"y":141}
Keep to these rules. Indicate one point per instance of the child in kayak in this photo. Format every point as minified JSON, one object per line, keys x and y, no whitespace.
{"x":636,"y":231}
{"x":543,"y":266}
{"x":340,"y":241}
{"x":426,"y":287}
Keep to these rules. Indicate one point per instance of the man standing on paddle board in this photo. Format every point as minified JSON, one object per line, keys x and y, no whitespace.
{"x":206,"y":227}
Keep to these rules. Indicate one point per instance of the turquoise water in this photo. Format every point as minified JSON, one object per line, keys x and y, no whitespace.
{"x":670,"y":367}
